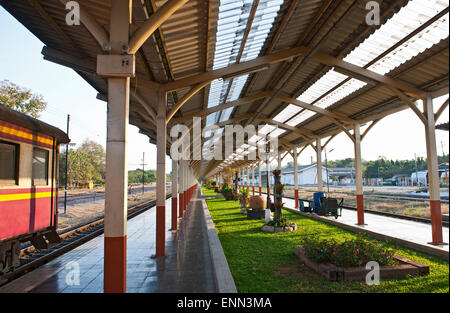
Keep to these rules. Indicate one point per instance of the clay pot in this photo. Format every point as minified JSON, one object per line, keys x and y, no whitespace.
{"x":258,"y":203}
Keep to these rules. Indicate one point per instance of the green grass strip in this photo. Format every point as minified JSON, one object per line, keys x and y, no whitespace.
{"x":264,"y":262}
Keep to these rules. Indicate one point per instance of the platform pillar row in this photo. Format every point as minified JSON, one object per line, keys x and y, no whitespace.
{"x":181,"y":190}
{"x":260,"y":178}
{"x":295,"y":156}
{"x":161,"y":129}
{"x":319,"y":166}
{"x":358,"y":176}
{"x":253,"y":180}
{"x":115,"y":222}
{"x":433,"y":172}
{"x":174,"y":194}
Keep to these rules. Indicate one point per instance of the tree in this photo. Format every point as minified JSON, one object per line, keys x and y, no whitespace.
{"x":21,"y":99}
{"x":85,"y":164}
{"x":97,"y":157}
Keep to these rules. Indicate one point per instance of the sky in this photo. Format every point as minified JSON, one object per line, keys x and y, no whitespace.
{"x":398,"y":136}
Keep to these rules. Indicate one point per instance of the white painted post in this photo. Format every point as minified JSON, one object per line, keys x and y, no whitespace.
{"x":433,"y":173}
{"x":296,"y":177}
{"x":358,"y":176}
{"x":115,"y":248}
{"x":319,"y":166}
{"x":174,"y":194}
{"x":161,"y":129}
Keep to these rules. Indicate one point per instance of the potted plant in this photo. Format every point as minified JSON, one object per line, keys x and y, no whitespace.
{"x":228,"y":192}
{"x":243,"y":199}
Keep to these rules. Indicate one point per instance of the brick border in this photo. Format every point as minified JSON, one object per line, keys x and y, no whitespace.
{"x":333,"y":273}
{"x":437,"y":252}
{"x":224,"y":279}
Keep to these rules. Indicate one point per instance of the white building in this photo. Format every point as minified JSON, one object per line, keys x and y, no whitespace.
{"x":419,"y":177}
{"x":307,"y":175}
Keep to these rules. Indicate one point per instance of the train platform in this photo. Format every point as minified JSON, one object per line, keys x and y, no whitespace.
{"x":414,"y":232}
{"x":187,"y":268}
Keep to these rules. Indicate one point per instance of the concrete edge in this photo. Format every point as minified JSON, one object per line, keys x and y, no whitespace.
{"x":436,"y":252}
{"x":222,"y":273}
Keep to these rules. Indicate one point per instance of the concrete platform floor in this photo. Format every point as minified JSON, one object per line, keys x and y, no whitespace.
{"x":187,"y":268}
{"x":404,"y":229}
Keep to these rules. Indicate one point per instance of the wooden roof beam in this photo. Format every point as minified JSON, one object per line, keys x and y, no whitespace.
{"x":238,"y":102}
{"x":153,"y":23}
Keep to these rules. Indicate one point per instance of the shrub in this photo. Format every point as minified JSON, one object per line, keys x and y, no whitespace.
{"x":281,"y":223}
{"x":350,"y":253}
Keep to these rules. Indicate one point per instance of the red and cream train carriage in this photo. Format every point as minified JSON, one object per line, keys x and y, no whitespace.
{"x":28,"y":184}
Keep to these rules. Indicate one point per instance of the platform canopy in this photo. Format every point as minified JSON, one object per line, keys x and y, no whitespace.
{"x":307,"y":69}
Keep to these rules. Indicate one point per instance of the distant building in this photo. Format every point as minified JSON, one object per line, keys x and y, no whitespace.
{"x":307,"y":175}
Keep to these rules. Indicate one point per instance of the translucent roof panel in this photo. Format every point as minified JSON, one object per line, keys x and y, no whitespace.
{"x":302,"y":116}
{"x":277,"y":132}
{"x":409,"y":18}
{"x":287,"y":113}
{"x":233,"y":19}
{"x":266,"y":129}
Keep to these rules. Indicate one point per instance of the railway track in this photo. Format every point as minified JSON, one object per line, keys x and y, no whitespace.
{"x":71,"y":238}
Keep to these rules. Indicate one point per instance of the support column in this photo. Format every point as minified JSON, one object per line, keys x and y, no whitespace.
{"x":186,"y":186}
{"x":260,"y":178}
{"x":433,"y":174}
{"x":174,"y":194}
{"x":253,"y":180}
{"x":319,"y":166}
{"x":358,"y":176}
{"x":247,"y":180}
{"x":181,"y":191}
{"x":115,"y":253}
{"x":296,"y":178}
{"x":268,"y":180}
{"x":161,"y":175}
{"x":279,"y":161}
{"x":240,"y":179}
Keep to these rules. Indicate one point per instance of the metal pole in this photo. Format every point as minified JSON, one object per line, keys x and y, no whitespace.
{"x":67,"y":158}
{"x":415,"y":164}
{"x":143,"y":172}
{"x":326,"y":167}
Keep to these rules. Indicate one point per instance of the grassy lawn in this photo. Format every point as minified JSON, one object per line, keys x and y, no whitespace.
{"x":208,"y":192}
{"x":264,"y":262}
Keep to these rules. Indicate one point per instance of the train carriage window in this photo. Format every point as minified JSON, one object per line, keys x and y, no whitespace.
{"x":40,"y":167}
{"x":9,"y":161}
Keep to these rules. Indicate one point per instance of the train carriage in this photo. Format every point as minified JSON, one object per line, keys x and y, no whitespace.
{"x":29,"y":151}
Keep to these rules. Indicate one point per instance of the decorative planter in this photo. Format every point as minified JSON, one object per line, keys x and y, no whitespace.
{"x":258,"y":203}
{"x":285,"y":229}
{"x":229,"y":196}
{"x":243,"y":201}
{"x":255,"y":214}
{"x":334,"y":273}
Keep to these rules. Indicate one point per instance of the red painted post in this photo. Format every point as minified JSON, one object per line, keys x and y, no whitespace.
{"x":436,"y":221}
{"x":180,"y":209}
{"x":174,"y":213}
{"x":160,"y":230}
{"x":360,"y":208}
{"x":260,"y":191}
{"x":296,"y":198}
